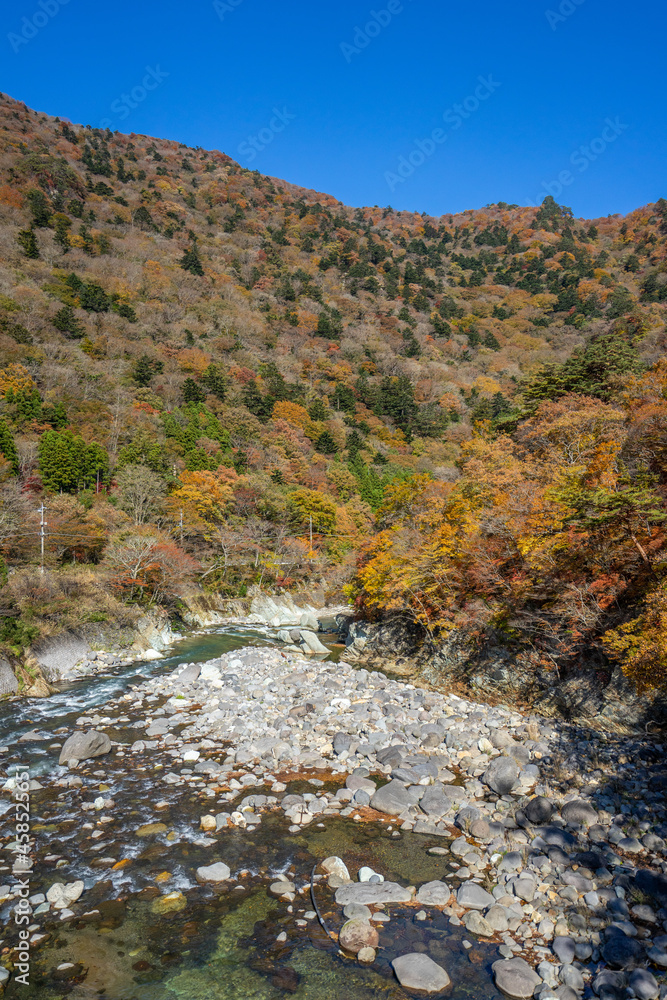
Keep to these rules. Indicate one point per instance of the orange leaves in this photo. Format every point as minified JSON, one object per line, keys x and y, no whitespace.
{"x":10,"y":196}
{"x":203,"y":499}
{"x":292,"y":413}
{"x":191,"y":359}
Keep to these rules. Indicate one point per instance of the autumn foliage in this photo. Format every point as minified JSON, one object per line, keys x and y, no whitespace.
{"x":215,"y":378}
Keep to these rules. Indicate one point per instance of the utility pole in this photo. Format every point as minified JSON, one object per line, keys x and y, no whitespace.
{"x":41,"y":535}
{"x":181,"y":526}
{"x":311,"y":538}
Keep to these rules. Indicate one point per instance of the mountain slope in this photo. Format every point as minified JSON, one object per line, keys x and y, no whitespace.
{"x":206,"y":370}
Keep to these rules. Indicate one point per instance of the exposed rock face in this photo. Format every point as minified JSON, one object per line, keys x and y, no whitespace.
{"x":82,"y":746}
{"x":498,"y":671}
{"x":58,"y":655}
{"x":8,"y":681}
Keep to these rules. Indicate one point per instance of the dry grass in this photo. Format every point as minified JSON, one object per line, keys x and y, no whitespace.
{"x":69,"y":598}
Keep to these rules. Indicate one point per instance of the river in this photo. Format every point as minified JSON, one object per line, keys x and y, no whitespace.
{"x":215,"y":943}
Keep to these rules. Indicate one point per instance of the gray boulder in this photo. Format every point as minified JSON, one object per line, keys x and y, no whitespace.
{"x":434,"y":894}
{"x":435,"y":801}
{"x":622,"y":952}
{"x":579,"y":813}
{"x":419,"y":972}
{"x":473,"y":897}
{"x":372,"y":892}
{"x":515,"y":977}
{"x":311,"y":643}
{"x":501,"y":775}
{"x":341,"y":742}
{"x":496,"y":917}
{"x":644,"y":985}
{"x":188,"y":675}
{"x":564,"y":950}
{"x":392,"y":755}
{"x":477,"y":924}
{"x":394,"y":798}
{"x":501,"y":738}
{"x":538,"y":811}
{"x":572,"y":977}
{"x":82,"y":746}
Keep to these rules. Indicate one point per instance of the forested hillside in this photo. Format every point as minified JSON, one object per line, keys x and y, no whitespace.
{"x":212,"y":377}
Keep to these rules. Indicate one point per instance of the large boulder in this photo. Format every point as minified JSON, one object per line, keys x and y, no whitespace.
{"x":342,"y":742}
{"x":336,"y":866}
{"x":419,"y":972}
{"x":644,"y":985}
{"x":501,"y":775}
{"x":188,"y":675}
{"x":473,"y":897}
{"x":579,"y":813}
{"x":515,"y":978}
{"x":356,"y":934}
{"x":538,"y":811}
{"x":219,"y":872}
{"x":311,"y":643}
{"x":434,"y":894}
{"x":372,"y":892}
{"x":622,"y":952}
{"x":394,"y":798}
{"x":435,"y":801}
{"x":82,"y":746}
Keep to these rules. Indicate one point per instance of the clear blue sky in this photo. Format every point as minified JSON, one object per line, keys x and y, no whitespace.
{"x":351,"y":105}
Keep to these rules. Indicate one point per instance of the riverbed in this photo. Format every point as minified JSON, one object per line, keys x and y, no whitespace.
{"x":133,"y":828}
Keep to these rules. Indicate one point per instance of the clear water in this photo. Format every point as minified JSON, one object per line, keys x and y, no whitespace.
{"x":217,"y":944}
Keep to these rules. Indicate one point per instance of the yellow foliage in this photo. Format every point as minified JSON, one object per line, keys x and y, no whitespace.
{"x":486,"y":384}
{"x":544,"y":300}
{"x":191,"y":359}
{"x":526,"y":342}
{"x":293,"y":414}
{"x":641,"y":644}
{"x":202,"y":497}
{"x":16,"y":377}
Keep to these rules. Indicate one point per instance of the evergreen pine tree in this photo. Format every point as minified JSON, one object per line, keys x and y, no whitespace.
{"x":190,"y":261}
{"x":325,"y":444}
{"x":65,"y":321}
{"x":192,"y":393}
{"x":28,"y":243}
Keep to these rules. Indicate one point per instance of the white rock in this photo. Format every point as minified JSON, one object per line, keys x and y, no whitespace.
{"x":366,"y":874}
{"x":218,"y":872}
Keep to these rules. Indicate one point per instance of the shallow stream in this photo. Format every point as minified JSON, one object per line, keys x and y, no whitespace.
{"x":208,"y":943}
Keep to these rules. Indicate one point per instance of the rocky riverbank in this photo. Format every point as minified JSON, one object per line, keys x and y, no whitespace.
{"x":549,"y":838}
{"x":72,"y":656}
{"x":596,"y":691}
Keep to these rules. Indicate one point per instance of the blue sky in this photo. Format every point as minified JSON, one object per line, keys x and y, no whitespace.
{"x":559,"y":96}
